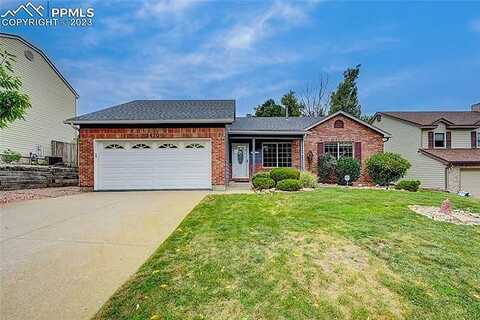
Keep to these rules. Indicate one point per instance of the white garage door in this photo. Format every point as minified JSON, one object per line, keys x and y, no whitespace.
{"x":470,"y":181}
{"x":152,"y":164}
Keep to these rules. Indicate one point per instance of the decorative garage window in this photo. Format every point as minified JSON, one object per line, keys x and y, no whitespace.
{"x":167,"y":146}
{"x":194,"y":146}
{"x":113,"y":146}
{"x":338,"y":124}
{"x":277,"y":155}
{"x":141,"y":146}
{"x":339,"y":149}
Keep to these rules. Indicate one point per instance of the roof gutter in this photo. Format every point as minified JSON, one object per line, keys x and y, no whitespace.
{"x":267,"y":132}
{"x":183,"y":121}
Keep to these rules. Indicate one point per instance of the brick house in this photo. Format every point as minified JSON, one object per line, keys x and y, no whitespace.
{"x":201,"y":144}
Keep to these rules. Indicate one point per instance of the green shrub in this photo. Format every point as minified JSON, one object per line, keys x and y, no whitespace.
{"x":260,"y":183}
{"x":289,"y":185}
{"x":261,"y":174}
{"x":279,"y":174}
{"x":326,"y":166}
{"x":347,"y":166}
{"x":308,"y":179}
{"x":387,"y":168}
{"x":409,"y":185}
{"x":9,"y":156}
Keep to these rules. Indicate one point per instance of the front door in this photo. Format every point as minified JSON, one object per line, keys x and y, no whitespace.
{"x":240,"y":160}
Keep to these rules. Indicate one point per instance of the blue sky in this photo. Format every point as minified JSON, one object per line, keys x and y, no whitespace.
{"x":414,"y":55}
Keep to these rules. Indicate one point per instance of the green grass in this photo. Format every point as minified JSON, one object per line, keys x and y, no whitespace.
{"x":328,"y":254}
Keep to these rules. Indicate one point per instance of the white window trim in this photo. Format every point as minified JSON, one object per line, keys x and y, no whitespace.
{"x":277,"y":143}
{"x":338,"y":147}
{"x":444,"y":140}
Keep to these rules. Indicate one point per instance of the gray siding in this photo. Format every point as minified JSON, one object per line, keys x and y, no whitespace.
{"x":406,"y":140}
{"x":52,"y":103}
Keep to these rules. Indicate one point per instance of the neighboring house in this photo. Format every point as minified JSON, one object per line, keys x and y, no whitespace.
{"x":443,"y":147}
{"x":53,"y":100}
{"x":200,"y":144}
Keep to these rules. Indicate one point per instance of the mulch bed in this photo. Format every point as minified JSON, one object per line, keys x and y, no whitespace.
{"x":30,"y":194}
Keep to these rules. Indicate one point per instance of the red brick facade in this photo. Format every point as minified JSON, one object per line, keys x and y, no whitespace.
{"x":371,"y":141}
{"x":87,"y":136}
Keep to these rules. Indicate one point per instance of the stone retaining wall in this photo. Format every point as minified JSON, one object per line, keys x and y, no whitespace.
{"x":13,"y":177}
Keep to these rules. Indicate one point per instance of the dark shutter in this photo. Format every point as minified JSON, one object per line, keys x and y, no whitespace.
{"x":449,"y":140}
{"x":474,"y":139}
{"x":319,"y":149}
{"x":430,"y":140}
{"x":358,"y":151}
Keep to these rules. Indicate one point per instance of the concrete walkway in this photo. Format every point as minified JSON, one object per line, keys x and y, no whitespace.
{"x":62,"y":258}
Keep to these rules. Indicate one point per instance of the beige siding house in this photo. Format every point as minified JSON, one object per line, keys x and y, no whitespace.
{"x":443,"y":147}
{"x":53,"y":100}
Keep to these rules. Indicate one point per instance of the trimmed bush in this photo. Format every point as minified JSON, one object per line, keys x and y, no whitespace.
{"x":347,"y":166}
{"x":326,"y":167}
{"x":308,"y":179}
{"x":9,"y":156}
{"x":260,"y":183}
{"x":387,"y":168}
{"x":409,"y":185}
{"x":279,"y":174}
{"x":289,"y":185}
{"x":261,"y":174}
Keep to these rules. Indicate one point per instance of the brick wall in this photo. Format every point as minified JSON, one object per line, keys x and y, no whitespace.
{"x":352,"y":131}
{"x":87,"y":136}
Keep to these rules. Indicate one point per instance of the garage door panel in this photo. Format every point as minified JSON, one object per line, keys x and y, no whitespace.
{"x":470,"y":181}
{"x":154,"y":168}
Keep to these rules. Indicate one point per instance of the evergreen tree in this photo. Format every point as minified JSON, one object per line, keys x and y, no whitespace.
{"x":269,"y":109}
{"x":291,"y":104}
{"x":345,"y":97}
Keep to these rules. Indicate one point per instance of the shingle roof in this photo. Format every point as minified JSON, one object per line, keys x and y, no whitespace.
{"x":454,"y":156}
{"x":163,"y":111}
{"x":459,"y":118}
{"x":253,"y":124}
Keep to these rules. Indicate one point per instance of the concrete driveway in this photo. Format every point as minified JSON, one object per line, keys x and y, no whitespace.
{"x":62,"y":258}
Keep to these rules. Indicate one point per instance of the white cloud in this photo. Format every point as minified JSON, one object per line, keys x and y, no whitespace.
{"x":388,"y":82}
{"x":165,"y":7}
{"x":365,"y":45}
{"x":248,"y":32}
{"x":475,"y":25}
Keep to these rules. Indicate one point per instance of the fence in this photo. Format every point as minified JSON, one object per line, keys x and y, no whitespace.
{"x":68,"y":152}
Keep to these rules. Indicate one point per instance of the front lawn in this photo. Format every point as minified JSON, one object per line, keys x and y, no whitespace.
{"x":327,"y":254}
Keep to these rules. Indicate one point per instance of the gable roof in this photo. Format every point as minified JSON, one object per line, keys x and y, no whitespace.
{"x":273,"y":125}
{"x":40,"y":52}
{"x":454,"y":156}
{"x":430,"y":118}
{"x":162,"y":111}
{"x":292,"y":125}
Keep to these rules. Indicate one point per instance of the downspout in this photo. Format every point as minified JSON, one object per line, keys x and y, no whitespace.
{"x":302,"y":155}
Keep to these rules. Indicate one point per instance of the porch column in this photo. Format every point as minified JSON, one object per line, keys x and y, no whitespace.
{"x":253,"y":156}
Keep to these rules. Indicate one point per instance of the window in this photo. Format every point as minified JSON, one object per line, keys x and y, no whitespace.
{"x":167,"y":146}
{"x":338,"y":124}
{"x":194,"y":146}
{"x":141,"y":146}
{"x":339,"y":149}
{"x":113,"y":146}
{"x":277,"y":155}
{"x":439,"y":140}
{"x":478,"y":139}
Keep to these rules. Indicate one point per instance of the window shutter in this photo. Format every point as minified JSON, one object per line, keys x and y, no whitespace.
{"x":474,"y":139}
{"x":430,"y":140}
{"x":449,"y":140}
{"x":358,"y":151}
{"x":319,"y":149}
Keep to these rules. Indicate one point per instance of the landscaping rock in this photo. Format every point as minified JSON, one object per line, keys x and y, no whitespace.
{"x":455,"y":216}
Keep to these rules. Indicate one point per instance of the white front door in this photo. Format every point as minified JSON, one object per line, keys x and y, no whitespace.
{"x":240,"y":160}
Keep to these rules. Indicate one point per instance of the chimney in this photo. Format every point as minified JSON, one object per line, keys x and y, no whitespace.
{"x":476,"y":107}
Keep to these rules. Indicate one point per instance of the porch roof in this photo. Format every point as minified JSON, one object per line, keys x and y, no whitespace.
{"x":272,"y":125}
